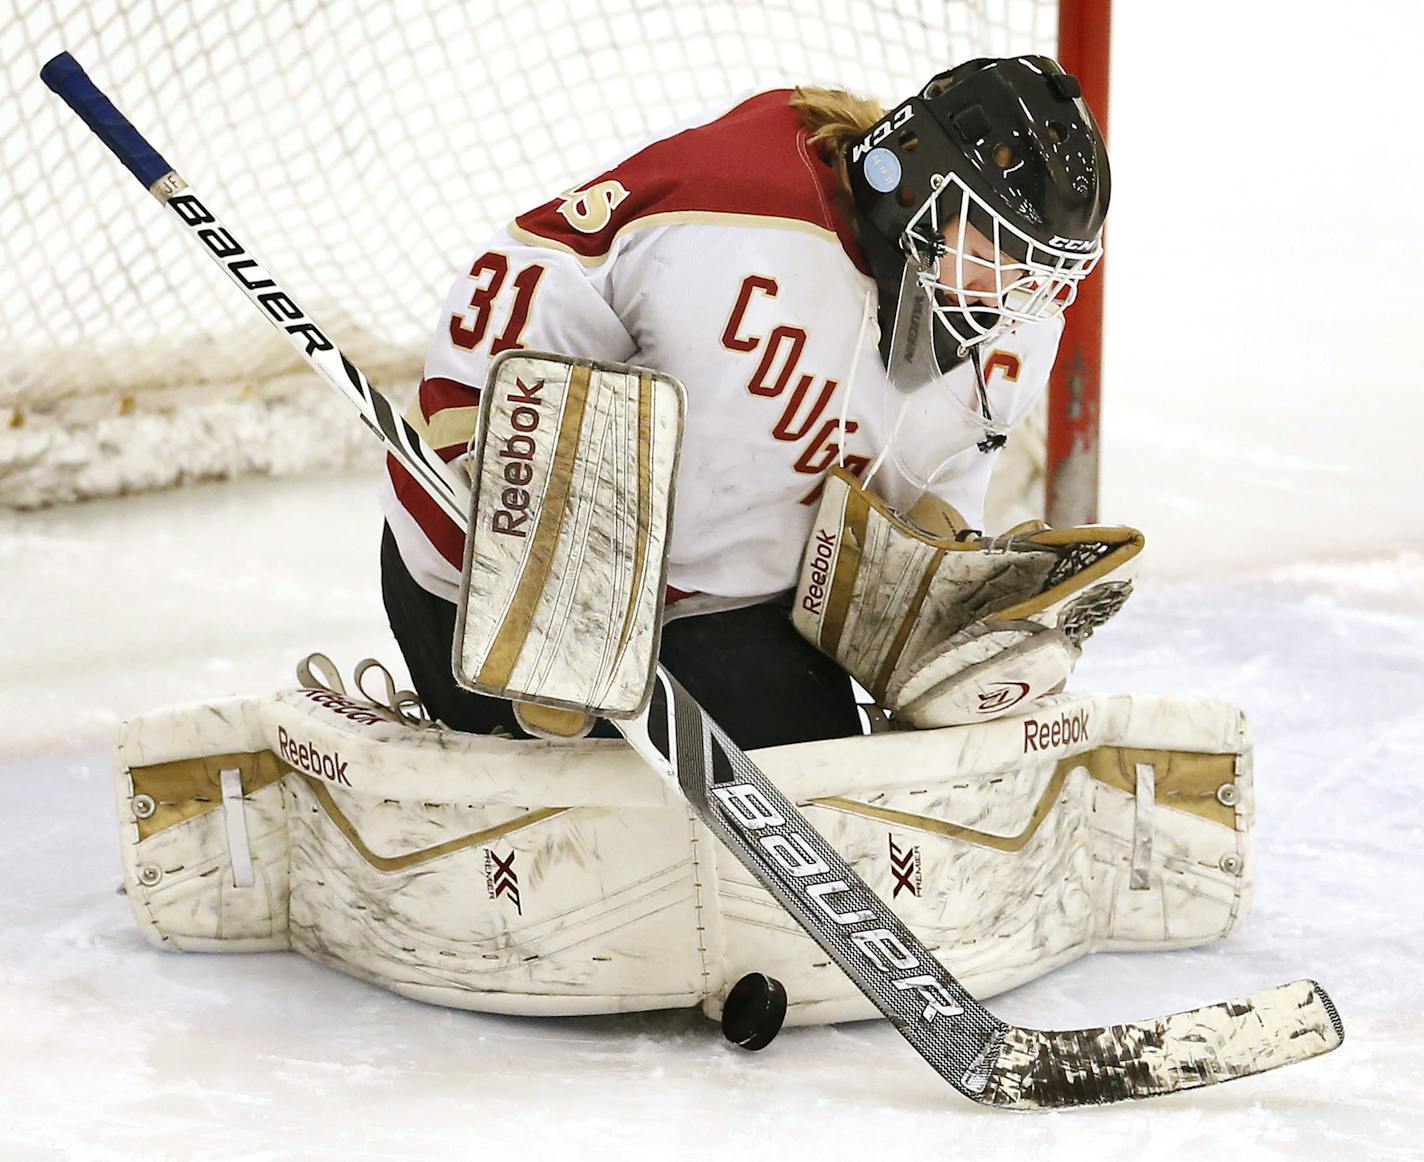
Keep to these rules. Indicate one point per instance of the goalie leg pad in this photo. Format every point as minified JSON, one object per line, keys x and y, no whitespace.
{"x":529,"y":877}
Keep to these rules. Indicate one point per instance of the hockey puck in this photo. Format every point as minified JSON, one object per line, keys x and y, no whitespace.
{"x":753,"y":1011}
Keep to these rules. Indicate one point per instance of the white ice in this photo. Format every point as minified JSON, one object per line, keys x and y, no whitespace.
{"x":114,"y":1049}
{"x":1262,"y":424}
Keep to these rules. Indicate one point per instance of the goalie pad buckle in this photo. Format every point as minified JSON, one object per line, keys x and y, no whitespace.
{"x":565,"y":570}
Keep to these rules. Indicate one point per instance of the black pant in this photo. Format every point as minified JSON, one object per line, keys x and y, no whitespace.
{"x":749,"y":668}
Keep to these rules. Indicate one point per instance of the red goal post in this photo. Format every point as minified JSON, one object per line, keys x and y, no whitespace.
{"x":1071,"y":460}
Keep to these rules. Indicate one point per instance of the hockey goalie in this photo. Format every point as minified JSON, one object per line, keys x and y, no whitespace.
{"x":732,"y":407}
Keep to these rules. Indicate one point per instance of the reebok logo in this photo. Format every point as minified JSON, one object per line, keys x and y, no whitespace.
{"x":352,"y":711}
{"x":518,"y":454}
{"x":1061,"y":731}
{"x":818,"y":568}
{"x":307,"y":756}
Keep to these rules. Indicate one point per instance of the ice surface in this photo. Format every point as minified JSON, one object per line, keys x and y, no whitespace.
{"x":112,"y":1049}
{"x":1263,"y":405}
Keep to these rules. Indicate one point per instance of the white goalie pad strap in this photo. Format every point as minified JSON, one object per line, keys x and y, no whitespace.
{"x":1140,"y":878}
{"x":946,"y":631}
{"x":529,"y":877}
{"x":565,"y":559}
{"x":239,"y":850}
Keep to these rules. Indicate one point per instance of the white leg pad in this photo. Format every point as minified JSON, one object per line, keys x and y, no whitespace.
{"x":537,"y":877}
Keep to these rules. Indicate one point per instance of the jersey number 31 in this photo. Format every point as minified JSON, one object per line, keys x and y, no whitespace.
{"x":489,"y":272}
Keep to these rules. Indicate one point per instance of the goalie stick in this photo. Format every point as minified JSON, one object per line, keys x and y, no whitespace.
{"x":986,"y":1059}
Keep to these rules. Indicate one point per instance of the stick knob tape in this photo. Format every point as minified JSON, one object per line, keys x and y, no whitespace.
{"x":67,"y":78}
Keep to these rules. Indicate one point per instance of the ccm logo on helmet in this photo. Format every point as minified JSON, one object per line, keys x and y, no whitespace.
{"x":882,"y":131}
{"x":1071,"y":243}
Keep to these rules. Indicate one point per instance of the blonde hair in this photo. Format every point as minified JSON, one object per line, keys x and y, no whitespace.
{"x":833,"y":119}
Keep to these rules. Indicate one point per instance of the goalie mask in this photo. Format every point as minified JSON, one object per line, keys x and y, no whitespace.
{"x":980,"y":205}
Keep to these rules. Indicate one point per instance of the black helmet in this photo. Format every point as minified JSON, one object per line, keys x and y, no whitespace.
{"x":998,"y":167}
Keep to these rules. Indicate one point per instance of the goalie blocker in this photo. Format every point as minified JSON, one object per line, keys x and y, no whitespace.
{"x":565,"y":569}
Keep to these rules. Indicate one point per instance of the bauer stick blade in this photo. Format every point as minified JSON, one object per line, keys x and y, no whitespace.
{"x":981,"y":1056}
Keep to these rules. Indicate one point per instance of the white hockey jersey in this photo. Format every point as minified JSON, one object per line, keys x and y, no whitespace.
{"x":723,"y":255}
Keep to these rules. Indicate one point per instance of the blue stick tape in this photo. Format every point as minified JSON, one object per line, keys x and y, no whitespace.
{"x":66,"y":77}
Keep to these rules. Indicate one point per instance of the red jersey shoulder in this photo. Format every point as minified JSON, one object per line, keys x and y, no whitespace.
{"x":752,"y":162}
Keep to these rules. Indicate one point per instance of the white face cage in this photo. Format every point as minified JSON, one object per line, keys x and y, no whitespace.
{"x":988,"y":289}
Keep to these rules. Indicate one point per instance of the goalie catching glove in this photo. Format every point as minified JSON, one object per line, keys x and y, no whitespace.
{"x":943,"y":627}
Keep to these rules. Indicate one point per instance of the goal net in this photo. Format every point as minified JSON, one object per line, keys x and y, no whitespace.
{"x":364,"y":149}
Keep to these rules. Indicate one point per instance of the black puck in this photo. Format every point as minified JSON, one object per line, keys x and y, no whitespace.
{"x":753,"y":1011}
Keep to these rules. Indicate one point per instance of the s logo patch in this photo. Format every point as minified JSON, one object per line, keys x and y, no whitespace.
{"x":589,"y":210}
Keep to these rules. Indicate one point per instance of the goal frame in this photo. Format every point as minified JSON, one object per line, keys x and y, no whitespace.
{"x":1072,"y":458}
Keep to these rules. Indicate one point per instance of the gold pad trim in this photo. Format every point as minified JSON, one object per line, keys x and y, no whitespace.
{"x":394,"y":863}
{"x":645,"y":509}
{"x":188,"y":788}
{"x":1185,"y":781}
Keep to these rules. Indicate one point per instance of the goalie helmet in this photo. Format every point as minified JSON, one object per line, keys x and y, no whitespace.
{"x":980,"y":201}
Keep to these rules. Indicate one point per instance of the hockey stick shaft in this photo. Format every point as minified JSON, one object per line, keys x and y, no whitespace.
{"x":977,"y":1053}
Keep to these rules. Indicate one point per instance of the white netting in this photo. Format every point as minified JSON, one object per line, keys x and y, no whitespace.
{"x":363,"y":148}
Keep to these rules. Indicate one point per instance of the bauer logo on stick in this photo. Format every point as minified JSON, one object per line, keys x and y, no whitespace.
{"x":806,"y":873}
{"x":248,"y":273}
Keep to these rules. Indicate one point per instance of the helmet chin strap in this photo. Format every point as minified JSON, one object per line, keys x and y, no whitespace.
{"x":993,"y":441}
{"x":910,"y":359}
{"x":912,"y":364}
